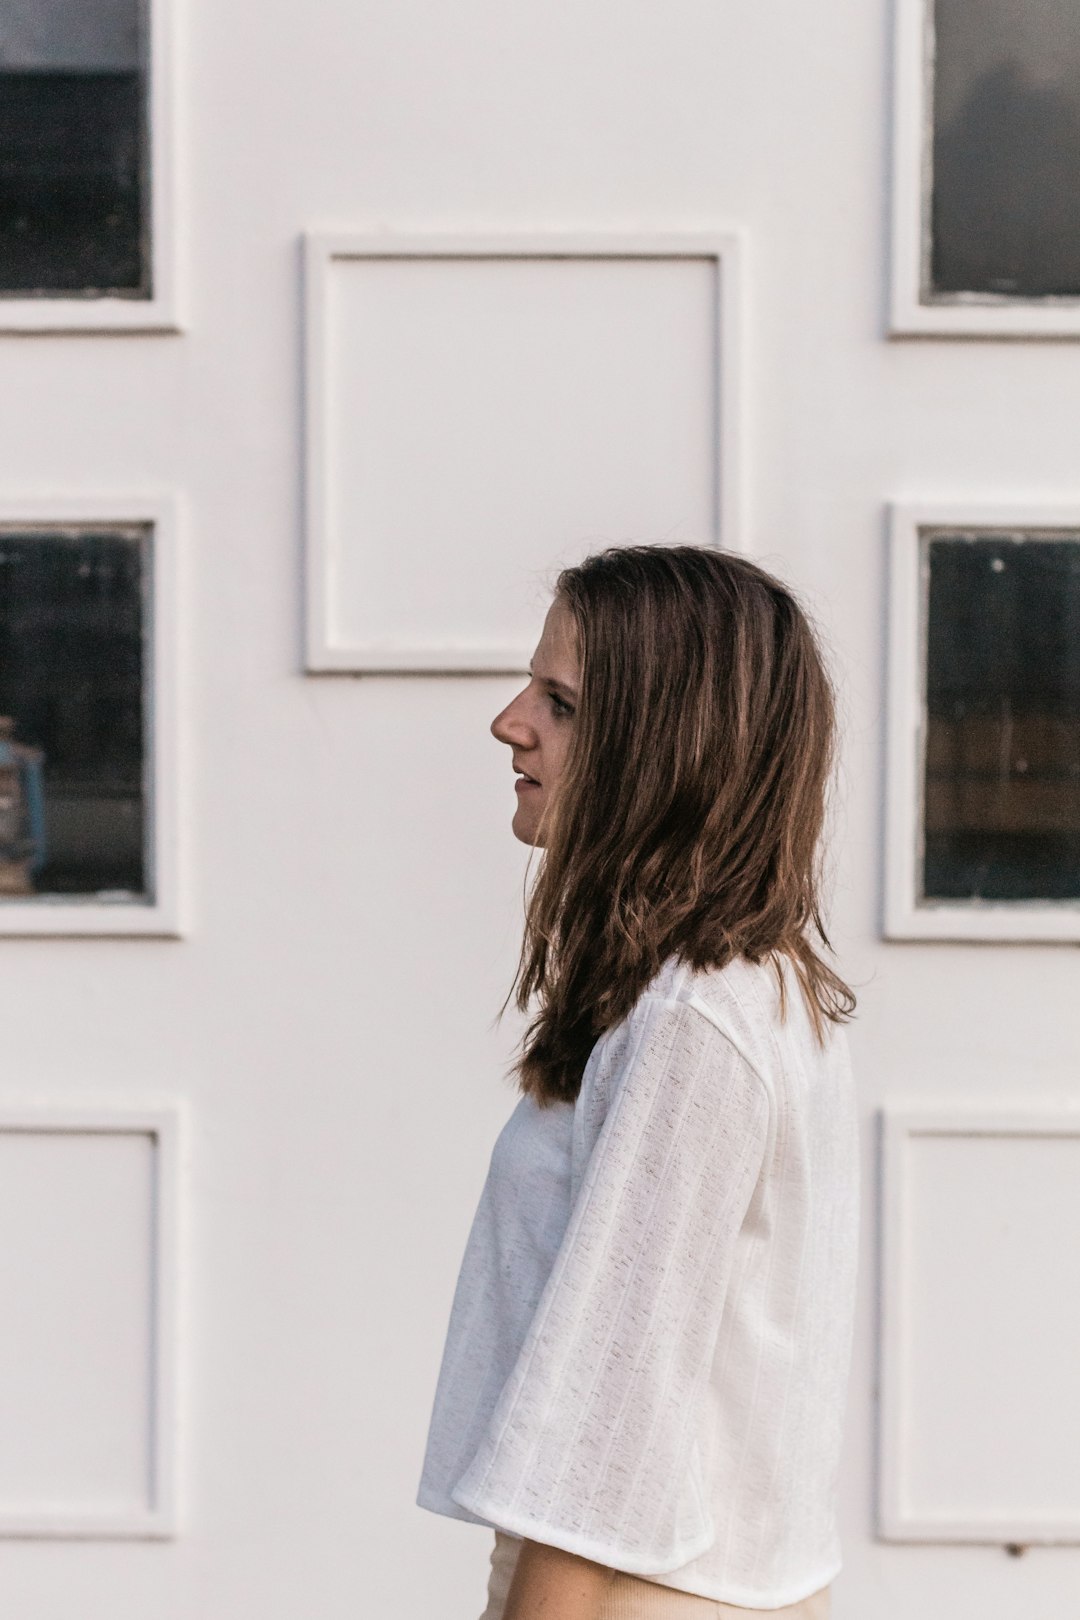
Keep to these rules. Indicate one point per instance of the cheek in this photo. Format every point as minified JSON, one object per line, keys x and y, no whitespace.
{"x":558,"y":750}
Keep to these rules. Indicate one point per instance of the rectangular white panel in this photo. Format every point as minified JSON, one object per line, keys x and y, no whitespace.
{"x":981,"y":1328}
{"x":87,"y":1275}
{"x":481,"y":414}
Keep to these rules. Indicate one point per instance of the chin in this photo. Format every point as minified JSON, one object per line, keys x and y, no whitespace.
{"x":526,"y":834}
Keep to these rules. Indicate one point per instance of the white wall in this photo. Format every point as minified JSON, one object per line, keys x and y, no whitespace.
{"x":354,"y":887}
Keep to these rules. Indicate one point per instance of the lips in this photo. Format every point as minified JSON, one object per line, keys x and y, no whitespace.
{"x":525,"y":777}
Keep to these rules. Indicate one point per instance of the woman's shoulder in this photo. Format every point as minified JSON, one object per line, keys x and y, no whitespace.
{"x":740,"y":985}
{"x":743,"y":988}
{"x":761,"y":1008}
{"x":757,"y":1007}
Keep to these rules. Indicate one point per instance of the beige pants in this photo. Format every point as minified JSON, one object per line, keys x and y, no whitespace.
{"x":629,"y":1597}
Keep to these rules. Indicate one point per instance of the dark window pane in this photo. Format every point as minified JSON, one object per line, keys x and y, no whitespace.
{"x":1006,"y":148}
{"x":1002,"y":772}
{"x":72,"y":628}
{"x":74,"y":214}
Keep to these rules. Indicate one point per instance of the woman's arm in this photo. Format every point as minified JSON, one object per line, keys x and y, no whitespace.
{"x":550,"y":1584}
{"x":597,"y":1436}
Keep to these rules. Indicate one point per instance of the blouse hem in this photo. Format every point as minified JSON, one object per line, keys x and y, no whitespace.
{"x":450,"y":1510}
{"x":644,"y":1568}
{"x":568,"y":1541}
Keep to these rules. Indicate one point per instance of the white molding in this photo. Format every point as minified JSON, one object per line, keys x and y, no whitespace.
{"x":909,"y":159}
{"x":166,"y":1123}
{"x":904,"y":916}
{"x":161,"y":312}
{"x":320,"y":252}
{"x":899,"y":1519}
{"x":912,"y":314}
{"x":160,"y":917}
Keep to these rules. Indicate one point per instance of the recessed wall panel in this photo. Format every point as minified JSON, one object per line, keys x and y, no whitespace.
{"x":982,"y":1322}
{"x":76,"y":1354}
{"x":479,"y":418}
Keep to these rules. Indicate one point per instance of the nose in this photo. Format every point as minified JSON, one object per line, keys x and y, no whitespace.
{"x":511,"y":727}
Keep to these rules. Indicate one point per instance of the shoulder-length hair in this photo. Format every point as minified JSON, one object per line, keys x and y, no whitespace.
{"x":688,"y":818}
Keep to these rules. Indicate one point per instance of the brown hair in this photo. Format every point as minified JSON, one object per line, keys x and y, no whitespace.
{"x":688,"y":818}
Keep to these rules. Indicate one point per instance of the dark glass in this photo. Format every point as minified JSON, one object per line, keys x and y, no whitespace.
{"x":1006,"y":148}
{"x":72,"y":670}
{"x":1002,"y":771}
{"x":74,"y":170}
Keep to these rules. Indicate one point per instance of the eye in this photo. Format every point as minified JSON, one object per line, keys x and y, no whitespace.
{"x":560,"y":705}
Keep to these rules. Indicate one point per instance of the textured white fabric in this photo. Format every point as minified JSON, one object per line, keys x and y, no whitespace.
{"x":648,"y":1349}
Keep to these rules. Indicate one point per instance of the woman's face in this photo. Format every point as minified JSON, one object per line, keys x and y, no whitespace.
{"x":538,"y":724}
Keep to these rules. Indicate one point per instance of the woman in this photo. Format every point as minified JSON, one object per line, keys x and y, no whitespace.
{"x":643,"y":1383}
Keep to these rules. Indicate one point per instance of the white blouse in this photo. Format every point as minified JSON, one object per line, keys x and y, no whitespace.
{"x":648,"y":1350}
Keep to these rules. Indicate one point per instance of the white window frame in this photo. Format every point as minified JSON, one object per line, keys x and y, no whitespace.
{"x":913,"y":313}
{"x":904,"y":916}
{"x":27,"y":312}
{"x":165,"y":1122}
{"x":324,"y":653}
{"x":898,"y":1517}
{"x":160,"y":917}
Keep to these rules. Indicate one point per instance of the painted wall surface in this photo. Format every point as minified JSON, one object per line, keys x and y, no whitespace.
{"x":353,"y":888}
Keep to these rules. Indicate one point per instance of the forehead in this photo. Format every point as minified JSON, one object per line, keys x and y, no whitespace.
{"x":556,"y":653}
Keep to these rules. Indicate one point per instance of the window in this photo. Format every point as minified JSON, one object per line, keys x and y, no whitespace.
{"x":83,"y":730}
{"x":1006,"y":148}
{"x":82,"y":113}
{"x":71,"y":729}
{"x":988,"y":162}
{"x":985,"y":788}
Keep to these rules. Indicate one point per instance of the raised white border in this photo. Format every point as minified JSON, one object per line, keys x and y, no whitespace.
{"x":159,"y":313}
{"x":898,"y":1518}
{"x":160,"y":917}
{"x":322,"y":250}
{"x":904,"y":918}
{"x":957,"y":314}
{"x":166,"y":1123}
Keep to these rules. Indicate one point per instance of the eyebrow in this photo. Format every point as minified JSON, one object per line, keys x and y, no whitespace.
{"x":561,"y":686}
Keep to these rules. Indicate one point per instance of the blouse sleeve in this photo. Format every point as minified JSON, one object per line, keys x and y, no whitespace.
{"x":594,"y":1442}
